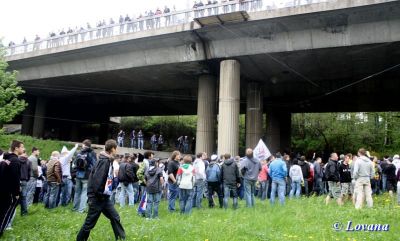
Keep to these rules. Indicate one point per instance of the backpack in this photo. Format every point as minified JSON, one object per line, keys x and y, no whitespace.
{"x":213,"y":173}
{"x":153,"y":181}
{"x":81,"y":165}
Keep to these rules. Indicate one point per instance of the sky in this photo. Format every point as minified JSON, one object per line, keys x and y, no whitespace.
{"x":26,"y":18}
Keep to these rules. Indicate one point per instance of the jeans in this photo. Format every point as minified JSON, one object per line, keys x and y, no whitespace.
{"x":241,"y":190}
{"x":80,"y":197}
{"x":214,"y":187}
{"x":296,"y":189}
{"x":306,"y":187}
{"x":319,"y":186}
{"x":198,"y":192}
{"x":375,"y":186}
{"x":185,"y":148}
{"x":278,"y":185}
{"x":66,"y":190}
{"x":24,"y":204}
{"x":126,"y":189}
{"x":133,"y":143}
{"x":185,"y":200}
{"x":135,"y":187}
{"x":140,"y":145}
{"x":384,"y":182}
{"x":96,"y":207}
{"x":249,"y":190}
{"x":228,"y":190}
{"x":52,"y":193}
{"x":31,"y":189}
{"x":173,"y":194}
{"x":263,"y":190}
{"x":153,"y":200}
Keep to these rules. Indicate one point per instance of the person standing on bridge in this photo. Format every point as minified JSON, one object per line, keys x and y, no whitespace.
{"x":160,"y":142}
{"x":153,"y":141}
{"x":140,"y":140}
{"x":121,"y":24}
{"x":133,"y":139}
{"x":120,"y":138}
{"x":99,"y":191}
{"x":167,"y":11}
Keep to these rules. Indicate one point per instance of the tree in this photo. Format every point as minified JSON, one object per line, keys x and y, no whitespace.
{"x":10,"y":105}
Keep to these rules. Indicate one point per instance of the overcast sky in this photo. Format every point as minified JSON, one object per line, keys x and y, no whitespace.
{"x":26,"y":18}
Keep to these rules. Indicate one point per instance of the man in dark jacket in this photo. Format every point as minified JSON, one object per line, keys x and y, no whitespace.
{"x":333,"y":178}
{"x":10,"y":183}
{"x":81,"y":180}
{"x":26,"y":167}
{"x":231,"y":180}
{"x":318,"y":175}
{"x":99,"y":191}
{"x":305,"y":169}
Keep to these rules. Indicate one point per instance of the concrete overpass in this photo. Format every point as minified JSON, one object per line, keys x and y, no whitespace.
{"x":326,"y":57}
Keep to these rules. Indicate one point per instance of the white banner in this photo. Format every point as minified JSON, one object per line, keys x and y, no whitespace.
{"x":261,"y":151}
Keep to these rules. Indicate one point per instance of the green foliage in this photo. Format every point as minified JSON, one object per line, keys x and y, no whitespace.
{"x":45,"y":146}
{"x":171,"y":127}
{"x":346,"y":132}
{"x":10,"y":105}
{"x":302,"y":219}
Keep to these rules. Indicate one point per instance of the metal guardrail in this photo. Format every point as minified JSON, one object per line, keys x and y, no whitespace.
{"x":155,"y":22}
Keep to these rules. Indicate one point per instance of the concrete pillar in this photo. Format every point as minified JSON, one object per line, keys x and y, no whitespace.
{"x":229,"y":108}
{"x":254,"y":114}
{"x":27,"y":117}
{"x":278,"y":131}
{"x":40,"y":114}
{"x":205,"y":140}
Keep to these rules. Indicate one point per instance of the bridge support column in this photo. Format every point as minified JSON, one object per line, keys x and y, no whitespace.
{"x":254,"y":114}
{"x":27,"y":117}
{"x":40,"y":114}
{"x":229,"y":108}
{"x":278,"y":131}
{"x":205,"y":140}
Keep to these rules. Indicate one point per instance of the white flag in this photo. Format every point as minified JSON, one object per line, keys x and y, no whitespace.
{"x":261,"y":152}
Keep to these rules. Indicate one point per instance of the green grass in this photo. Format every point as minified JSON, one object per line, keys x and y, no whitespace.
{"x":45,"y":146}
{"x":303,"y":219}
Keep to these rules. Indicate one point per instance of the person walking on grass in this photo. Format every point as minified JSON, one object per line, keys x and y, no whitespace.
{"x":296,"y":175}
{"x":230,"y":180}
{"x":186,"y":179}
{"x":278,"y":172}
{"x":250,"y":169}
{"x":333,"y":177}
{"x":99,"y":191}
{"x":345,"y":179}
{"x":154,"y":183}
{"x":363,"y":172}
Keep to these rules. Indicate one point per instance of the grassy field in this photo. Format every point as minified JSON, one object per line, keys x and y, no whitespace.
{"x":303,"y":219}
{"x":45,"y":146}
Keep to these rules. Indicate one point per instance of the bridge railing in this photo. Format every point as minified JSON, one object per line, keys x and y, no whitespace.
{"x":155,"y":22}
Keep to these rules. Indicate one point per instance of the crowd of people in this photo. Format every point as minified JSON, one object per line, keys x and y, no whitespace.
{"x":96,"y":183}
{"x":132,"y":23}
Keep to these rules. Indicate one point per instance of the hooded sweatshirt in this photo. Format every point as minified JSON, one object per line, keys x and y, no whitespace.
{"x":25,"y":168}
{"x":10,"y":175}
{"x":296,"y":173}
{"x":230,"y":173}
{"x":363,"y":168}
{"x":153,"y":183}
{"x":305,"y":168}
{"x":200,"y":169}
{"x":98,"y":176}
{"x":65,"y":162}
{"x":186,"y":174}
{"x":251,"y":168}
